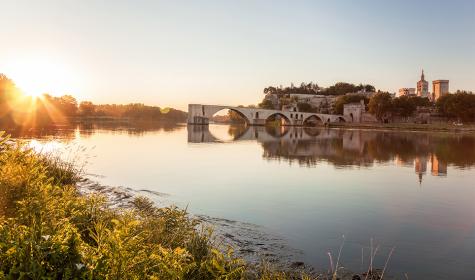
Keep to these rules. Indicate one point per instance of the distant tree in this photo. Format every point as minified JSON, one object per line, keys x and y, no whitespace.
{"x":459,"y":105}
{"x":266,"y":104}
{"x":87,"y":109}
{"x":403,"y":106}
{"x":68,"y":105}
{"x":235,"y":117}
{"x":380,"y":105}
{"x":8,"y":93}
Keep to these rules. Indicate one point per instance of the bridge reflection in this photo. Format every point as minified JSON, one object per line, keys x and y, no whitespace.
{"x":352,"y":148}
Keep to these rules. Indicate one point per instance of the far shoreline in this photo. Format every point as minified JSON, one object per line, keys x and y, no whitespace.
{"x":470,"y":128}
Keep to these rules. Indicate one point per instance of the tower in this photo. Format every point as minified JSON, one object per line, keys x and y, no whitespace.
{"x":440,"y":88}
{"x":423,"y":87}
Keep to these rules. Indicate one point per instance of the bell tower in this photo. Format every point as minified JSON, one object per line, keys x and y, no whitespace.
{"x":423,"y":86}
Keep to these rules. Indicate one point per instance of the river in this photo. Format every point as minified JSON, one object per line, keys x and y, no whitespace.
{"x":308,"y":188}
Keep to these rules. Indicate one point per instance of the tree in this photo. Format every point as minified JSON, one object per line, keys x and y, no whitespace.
{"x":403,"y":106}
{"x":380,"y":105}
{"x":235,"y":117}
{"x":68,"y":105}
{"x":459,"y":105}
{"x":87,"y":109}
{"x":266,"y":104}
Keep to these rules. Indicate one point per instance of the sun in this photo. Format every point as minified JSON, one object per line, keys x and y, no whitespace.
{"x":36,"y":76}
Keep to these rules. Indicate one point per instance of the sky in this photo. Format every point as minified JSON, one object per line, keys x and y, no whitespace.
{"x":171,"y":53}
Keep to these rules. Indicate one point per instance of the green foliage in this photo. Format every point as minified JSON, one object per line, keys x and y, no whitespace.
{"x":266,"y":104}
{"x":304,"y":88}
{"x":344,"y":88}
{"x":460,"y":105}
{"x":380,"y":105}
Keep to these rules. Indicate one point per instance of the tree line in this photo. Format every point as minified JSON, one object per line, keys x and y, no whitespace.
{"x":283,"y":94}
{"x":16,"y":108}
{"x":340,"y":88}
{"x":457,"y":106}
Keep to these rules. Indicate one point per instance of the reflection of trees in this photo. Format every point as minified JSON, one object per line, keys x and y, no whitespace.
{"x":236,"y":131}
{"x":136,"y":128}
{"x":277,"y":130}
{"x":363,"y":148}
{"x":87,"y":129}
{"x":63,"y":132}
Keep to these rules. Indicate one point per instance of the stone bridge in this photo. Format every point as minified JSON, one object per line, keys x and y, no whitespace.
{"x":201,"y":114}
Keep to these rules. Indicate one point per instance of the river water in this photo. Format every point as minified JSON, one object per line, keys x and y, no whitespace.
{"x":413,"y":191}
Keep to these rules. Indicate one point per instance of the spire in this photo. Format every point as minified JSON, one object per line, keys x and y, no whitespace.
{"x":422,"y":76}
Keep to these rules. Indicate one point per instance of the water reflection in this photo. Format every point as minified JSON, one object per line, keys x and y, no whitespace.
{"x":88,"y":129}
{"x":353,"y":148}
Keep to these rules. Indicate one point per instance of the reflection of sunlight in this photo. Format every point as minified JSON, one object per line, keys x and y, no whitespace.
{"x":46,"y":147}
{"x":221,"y":132}
{"x":71,"y":152}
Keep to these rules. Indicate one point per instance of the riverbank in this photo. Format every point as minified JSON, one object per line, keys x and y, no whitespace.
{"x":50,"y":227}
{"x":437,"y":127}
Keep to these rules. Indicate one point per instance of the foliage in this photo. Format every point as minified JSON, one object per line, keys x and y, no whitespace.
{"x":304,"y":88}
{"x":345,"y":99}
{"x":282,"y":94}
{"x":235,"y":117}
{"x":18,"y":109}
{"x":380,"y":105}
{"x":266,"y":104}
{"x":341,"y":88}
{"x":460,"y":105}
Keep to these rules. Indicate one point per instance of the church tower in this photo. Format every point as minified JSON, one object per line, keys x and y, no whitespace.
{"x":423,"y":87}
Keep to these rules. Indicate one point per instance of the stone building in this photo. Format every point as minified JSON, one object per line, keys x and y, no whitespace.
{"x":439,"y":88}
{"x":423,"y":87}
{"x":354,"y":111}
{"x":407,"y":92}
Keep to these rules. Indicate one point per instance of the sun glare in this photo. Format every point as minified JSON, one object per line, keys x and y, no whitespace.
{"x":35,"y":77}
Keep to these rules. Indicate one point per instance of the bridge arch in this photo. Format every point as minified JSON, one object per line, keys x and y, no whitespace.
{"x":231,"y":109}
{"x":279,"y":116}
{"x":341,"y":119}
{"x":313,"y":120}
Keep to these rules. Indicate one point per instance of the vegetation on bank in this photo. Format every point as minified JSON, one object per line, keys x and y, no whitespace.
{"x":18,"y":109}
{"x":283,"y":94}
{"x":48,"y":230}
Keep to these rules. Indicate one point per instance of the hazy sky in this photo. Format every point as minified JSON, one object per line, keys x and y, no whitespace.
{"x":172,"y":53}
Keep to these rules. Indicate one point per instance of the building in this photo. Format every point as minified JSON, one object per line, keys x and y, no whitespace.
{"x":354,"y":111}
{"x":439,"y":88}
{"x":407,"y":92}
{"x":423,"y":87}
